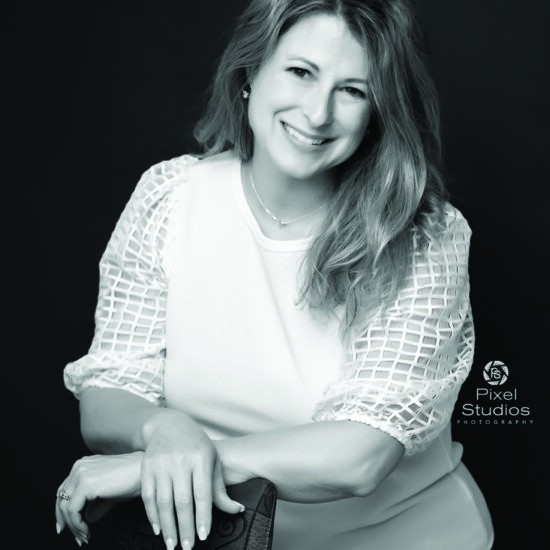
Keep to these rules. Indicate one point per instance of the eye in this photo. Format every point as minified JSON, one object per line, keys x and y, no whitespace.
{"x":299,"y":72}
{"x":354,"y":92}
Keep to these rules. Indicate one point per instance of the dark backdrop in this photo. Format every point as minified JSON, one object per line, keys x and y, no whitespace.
{"x":105,"y":89}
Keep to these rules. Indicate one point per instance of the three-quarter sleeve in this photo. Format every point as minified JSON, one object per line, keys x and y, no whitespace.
{"x":128,"y":347}
{"x":404,"y":372}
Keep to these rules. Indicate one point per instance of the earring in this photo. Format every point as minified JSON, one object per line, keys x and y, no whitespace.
{"x":245,"y":92}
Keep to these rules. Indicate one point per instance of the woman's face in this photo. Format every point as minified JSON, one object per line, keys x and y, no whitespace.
{"x":308,"y":107}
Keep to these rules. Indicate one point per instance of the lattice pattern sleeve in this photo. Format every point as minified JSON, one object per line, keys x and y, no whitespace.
{"x":128,"y":348}
{"x":404,"y":372}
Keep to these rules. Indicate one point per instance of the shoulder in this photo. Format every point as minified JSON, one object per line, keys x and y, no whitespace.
{"x":440,"y":259}
{"x":147,"y":219}
{"x":451,"y":235}
{"x":169,"y":175}
{"x":163,"y":177}
{"x":159,"y":188}
{"x":455,"y":223}
{"x":162,"y":185}
{"x":214,"y":169}
{"x":156,"y":192}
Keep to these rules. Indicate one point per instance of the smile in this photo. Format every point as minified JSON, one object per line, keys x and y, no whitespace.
{"x":301,"y":138}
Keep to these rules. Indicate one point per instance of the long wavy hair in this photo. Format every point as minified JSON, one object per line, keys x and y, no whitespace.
{"x":390,"y":194}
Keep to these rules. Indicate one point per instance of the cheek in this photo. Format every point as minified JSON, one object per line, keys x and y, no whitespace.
{"x":273,"y":91}
{"x":357,"y":124}
{"x":256,"y":114}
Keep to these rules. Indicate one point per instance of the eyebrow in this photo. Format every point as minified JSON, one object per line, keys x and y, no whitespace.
{"x":316,"y":68}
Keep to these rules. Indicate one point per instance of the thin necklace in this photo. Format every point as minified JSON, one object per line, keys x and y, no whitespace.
{"x":279,"y":221}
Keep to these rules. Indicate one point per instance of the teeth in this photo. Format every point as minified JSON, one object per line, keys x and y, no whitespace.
{"x":301,"y":138}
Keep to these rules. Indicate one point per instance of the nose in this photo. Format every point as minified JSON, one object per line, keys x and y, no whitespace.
{"x":317,"y":106}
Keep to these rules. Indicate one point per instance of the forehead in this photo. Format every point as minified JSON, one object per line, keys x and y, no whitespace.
{"x":325,"y":40}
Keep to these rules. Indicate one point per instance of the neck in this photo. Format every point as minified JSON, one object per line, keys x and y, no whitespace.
{"x":286,"y":196}
{"x":285,"y":208}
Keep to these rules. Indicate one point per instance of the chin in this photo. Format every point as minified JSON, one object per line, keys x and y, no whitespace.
{"x":304,"y":166}
{"x":303,"y":170}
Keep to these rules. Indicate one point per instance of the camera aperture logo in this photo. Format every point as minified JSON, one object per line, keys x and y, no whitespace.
{"x":494,"y":405}
{"x":495,"y":373}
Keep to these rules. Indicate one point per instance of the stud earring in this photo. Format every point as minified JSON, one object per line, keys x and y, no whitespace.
{"x":245,"y":92}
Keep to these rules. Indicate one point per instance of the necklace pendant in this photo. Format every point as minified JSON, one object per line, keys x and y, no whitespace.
{"x":281,"y":223}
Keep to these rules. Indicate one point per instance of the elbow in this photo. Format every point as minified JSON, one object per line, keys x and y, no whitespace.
{"x":366,"y":477}
{"x":364,"y":486}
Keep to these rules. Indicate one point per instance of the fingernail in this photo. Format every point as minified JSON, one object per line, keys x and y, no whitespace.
{"x":78,"y":541}
{"x":57,"y":527}
{"x":202,"y":532}
{"x":241,"y":507}
{"x":185,"y":544}
{"x":170,"y":544}
{"x":156,"y":529}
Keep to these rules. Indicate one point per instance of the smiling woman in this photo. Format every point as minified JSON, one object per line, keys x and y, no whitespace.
{"x":305,"y":115}
{"x":306,"y":119}
{"x":291,"y":304}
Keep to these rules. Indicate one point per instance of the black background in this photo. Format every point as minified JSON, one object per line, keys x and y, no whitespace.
{"x":100,"y":91}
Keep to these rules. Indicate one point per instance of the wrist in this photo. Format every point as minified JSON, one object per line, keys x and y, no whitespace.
{"x":155,"y":425}
{"x":233,"y":470}
{"x":166,"y":426}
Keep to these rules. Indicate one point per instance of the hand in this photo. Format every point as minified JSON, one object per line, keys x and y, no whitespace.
{"x":112,"y":477}
{"x":181,"y":472}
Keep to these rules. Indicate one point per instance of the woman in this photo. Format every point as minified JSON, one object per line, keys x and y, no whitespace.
{"x":292,"y":306}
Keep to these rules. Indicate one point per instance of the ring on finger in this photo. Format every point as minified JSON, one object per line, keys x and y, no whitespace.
{"x":63,"y":495}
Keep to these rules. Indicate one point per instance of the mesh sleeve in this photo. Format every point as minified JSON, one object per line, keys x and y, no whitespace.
{"x":404,"y":372}
{"x":128,"y":347}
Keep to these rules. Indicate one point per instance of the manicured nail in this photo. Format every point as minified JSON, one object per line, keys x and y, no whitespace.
{"x":156,"y":529}
{"x":202,"y":532}
{"x":241,"y":507}
{"x":78,"y":541}
{"x":170,"y":544}
{"x":57,"y":527}
{"x":185,"y":544}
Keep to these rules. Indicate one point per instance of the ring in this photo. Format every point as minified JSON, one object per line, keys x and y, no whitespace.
{"x":63,"y":495}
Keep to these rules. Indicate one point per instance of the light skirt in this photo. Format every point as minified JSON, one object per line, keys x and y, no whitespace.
{"x":450,"y":514}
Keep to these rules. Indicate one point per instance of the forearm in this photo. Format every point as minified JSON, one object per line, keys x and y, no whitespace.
{"x":116,"y":421}
{"x":316,"y":462}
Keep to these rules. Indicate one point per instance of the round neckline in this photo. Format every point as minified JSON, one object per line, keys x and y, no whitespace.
{"x":276,"y":245}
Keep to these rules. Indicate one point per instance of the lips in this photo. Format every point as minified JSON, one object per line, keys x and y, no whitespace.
{"x":300,"y":137}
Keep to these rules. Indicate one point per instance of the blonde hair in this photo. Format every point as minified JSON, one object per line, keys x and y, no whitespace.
{"x":391,"y":184}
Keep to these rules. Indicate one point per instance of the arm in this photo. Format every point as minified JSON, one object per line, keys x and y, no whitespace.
{"x":115,"y":421}
{"x":120,"y":381}
{"x":128,"y":348}
{"x":404,"y":371}
{"x":317,"y":462}
{"x":395,"y":396}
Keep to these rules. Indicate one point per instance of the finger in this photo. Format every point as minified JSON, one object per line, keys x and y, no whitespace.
{"x":68,"y":514}
{"x":202,"y":494}
{"x":59,"y":519}
{"x":183,"y":503}
{"x":165,"y":506}
{"x":221,"y":499}
{"x":149,"y":497}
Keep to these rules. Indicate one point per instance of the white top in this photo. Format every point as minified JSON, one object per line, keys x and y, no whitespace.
{"x":197,"y":311}
{"x":402,"y":375}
